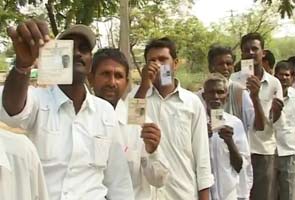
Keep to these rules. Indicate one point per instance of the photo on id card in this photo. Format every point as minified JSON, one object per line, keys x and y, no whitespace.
{"x":55,"y":63}
{"x":136,"y":111}
{"x":217,"y":121}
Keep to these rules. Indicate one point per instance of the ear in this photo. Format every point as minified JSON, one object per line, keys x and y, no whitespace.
{"x":263,"y":55}
{"x":175,"y":62}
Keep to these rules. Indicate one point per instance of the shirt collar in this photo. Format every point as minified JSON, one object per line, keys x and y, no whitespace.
{"x":4,"y":162}
{"x":177,"y":91}
{"x":291,"y":92}
{"x":265,"y":76}
{"x":61,"y":98}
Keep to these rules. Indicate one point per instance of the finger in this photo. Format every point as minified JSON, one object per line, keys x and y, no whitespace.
{"x":150,"y":125}
{"x":150,"y":135}
{"x":151,"y":129}
{"x":12,"y":33}
{"x":35,"y":32}
{"x":150,"y":141}
{"x":43,"y":27}
{"x":25,"y":34}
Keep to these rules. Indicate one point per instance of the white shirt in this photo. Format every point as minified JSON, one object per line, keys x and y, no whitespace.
{"x":184,"y":142}
{"x":263,"y":142}
{"x":21,"y":174}
{"x":146,"y":170}
{"x":285,"y":135}
{"x":227,"y":180}
{"x":80,"y":153}
{"x":247,"y":107}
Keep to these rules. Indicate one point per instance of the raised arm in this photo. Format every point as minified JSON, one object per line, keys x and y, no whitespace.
{"x":27,"y":38}
{"x":253,"y":84}
{"x":149,"y":73}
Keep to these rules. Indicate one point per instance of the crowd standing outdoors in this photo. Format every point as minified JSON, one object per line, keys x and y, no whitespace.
{"x":82,"y":147}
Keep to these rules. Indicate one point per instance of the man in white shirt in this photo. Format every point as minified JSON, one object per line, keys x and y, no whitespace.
{"x":229,"y":148}
{"x":285,"y":135}
{"x":21,"y":176}
{"x":266,"y":95}
{"x":221,"y":60}
{"x":109,"y":79}
{"x":76,"y":134}
{"x":182,"y":120}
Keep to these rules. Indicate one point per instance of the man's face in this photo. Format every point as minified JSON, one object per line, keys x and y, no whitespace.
{"x":215,"y":94}
{"x":161,"y":56}
{"x":223,"y":64}
{"x":252,"y":49}
{"x":109,"y":81}
{"x":285,"y":77}
{"x":82,"y":58}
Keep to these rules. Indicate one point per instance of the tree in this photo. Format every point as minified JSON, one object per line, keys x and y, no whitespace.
{"x":285,"y":6}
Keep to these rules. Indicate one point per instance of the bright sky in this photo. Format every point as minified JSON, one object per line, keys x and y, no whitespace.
{"x":209,"y":11}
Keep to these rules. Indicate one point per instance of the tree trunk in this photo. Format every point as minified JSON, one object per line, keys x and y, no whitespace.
{"x":51,"y":17}
{"x":124,"y":37}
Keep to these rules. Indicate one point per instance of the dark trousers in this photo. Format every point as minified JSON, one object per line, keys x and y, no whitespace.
{"x":264,"y":177}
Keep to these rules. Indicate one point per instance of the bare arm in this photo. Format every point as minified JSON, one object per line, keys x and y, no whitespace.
{"x":27,"y":38}
{"x":253,"y":84}
{"x":236,"y":160}
{"x":204,"y":194}
{"x":259,"y":114}
{"x":149,"y":73}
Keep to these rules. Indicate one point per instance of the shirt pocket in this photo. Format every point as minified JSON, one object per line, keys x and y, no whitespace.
{"x":47,"y":144}
{"x":101,"y":148}
{"x":180,"y":132}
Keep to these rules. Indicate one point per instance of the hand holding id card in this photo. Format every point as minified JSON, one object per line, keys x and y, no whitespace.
{"x":136,"y":111}
{"x":217,"y":121}
{"x":55,"y":62}
{"x":166,"y":75}
{"x":247,"y":69}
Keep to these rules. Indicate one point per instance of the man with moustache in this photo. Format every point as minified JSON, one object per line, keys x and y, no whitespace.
{"x":109,"y":79}
{"x":229,"y":148}
{"x":182,"y":121}
{"x":286,"y":135}
{"x":76,"y":134}
{"x":266,"y":95}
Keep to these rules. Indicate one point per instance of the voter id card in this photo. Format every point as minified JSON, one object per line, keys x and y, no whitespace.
{"x":136,"y":111}
{"x":166,"y":75}
{"x":55,"y":62}
{"x":217,"y":121}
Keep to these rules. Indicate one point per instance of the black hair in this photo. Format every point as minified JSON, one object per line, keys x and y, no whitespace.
{"x":109,"y":53}
{"x":291,"y":60}
{"x":164,"y":42}
{"x":252,"y":36}
{"x":284,"y":65}
{"x":217,"y":50}
{"x":268,"y":56}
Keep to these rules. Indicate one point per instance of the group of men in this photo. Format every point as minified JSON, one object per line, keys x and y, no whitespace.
{"x":87,"y":149}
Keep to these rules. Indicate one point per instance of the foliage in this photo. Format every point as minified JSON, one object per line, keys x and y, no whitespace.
{"x":286,"y":7}
{"x":282,"y":48}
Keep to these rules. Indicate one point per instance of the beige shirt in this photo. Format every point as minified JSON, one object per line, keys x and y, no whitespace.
{"x":264,"y":142}
{"x":184,"y":142}
{"x":21,"y":174}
